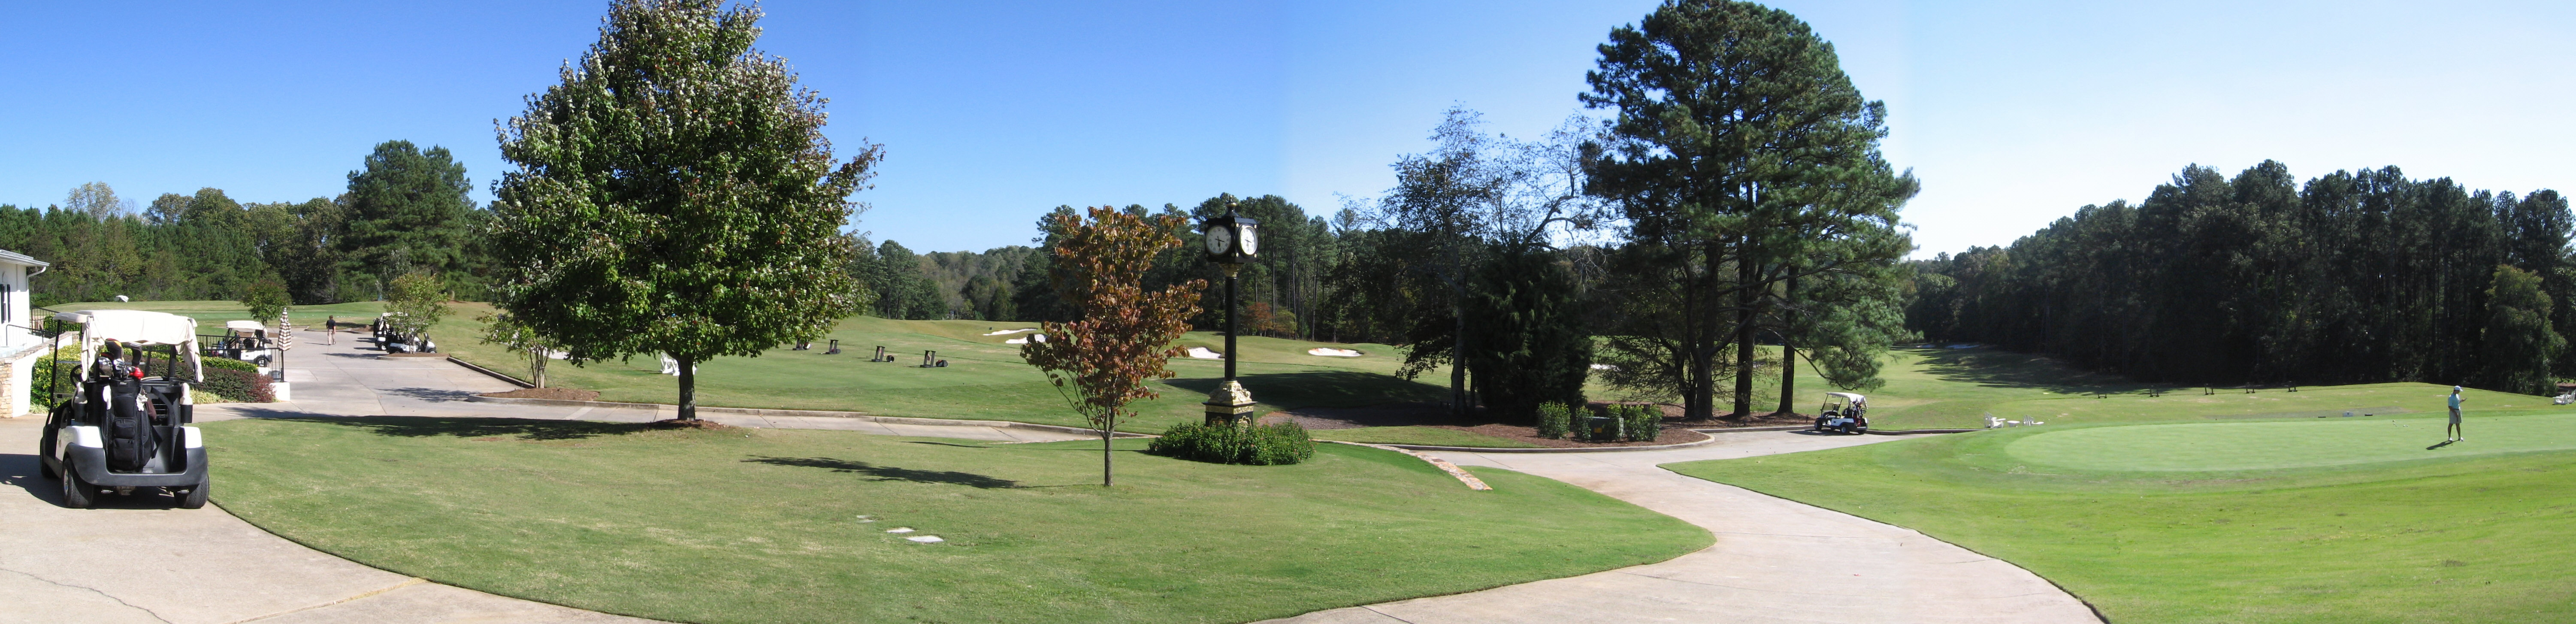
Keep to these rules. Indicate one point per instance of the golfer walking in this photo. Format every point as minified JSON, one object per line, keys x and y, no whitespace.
{"x":2454,"y":430}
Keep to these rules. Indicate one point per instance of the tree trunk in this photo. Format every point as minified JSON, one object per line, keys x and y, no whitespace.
{"x":1700,"y":328}
{"x":1788,"y":352}
{"x":688,"y":387}
{"x":1788,"y":378}
{"x":1459,"y":405}
{"x":1107,"y":426}
{"x":1745,"y":274}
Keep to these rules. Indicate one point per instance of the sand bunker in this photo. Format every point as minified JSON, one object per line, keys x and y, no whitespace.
{"x":1010,"y":331}
{"x":1036,"y":337}
{"x":1204,"y":354}
{"x":1331,"y":352}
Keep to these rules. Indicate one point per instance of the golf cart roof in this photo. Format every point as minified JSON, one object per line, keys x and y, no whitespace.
{"x":134,"y":326}
{"x":1847,"y":396}
{"x":247,"y":326}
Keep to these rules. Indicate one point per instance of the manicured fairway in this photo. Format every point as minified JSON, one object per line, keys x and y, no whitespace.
{"x":2285,"y":444}
{"x":768,"y":525}
{"x":2321,"y":520}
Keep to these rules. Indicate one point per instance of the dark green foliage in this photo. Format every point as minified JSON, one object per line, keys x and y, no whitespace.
{"x":407,"y":212}
{"x":1744,"y":157}
{"x":1643,"y":423}
{"x":2519,"y":344}
{"x":237,"y":385}
{"x":1554,"y":419}
{"x":2351,"y":277}
{"x":1528,"y":345}
{"x":675,"y":193}
{"x":266,"y":300}
{"x":1265,"y":445}
{"x":903,"y":289}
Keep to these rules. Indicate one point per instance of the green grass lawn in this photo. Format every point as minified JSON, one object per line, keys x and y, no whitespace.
{"x":2309,"y":520}
{"x":985,"y":378}
{"x":1426,"y":436}
{"x":765,"y":525}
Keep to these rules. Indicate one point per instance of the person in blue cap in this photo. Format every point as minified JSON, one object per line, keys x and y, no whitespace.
{"x":2454,"y":430}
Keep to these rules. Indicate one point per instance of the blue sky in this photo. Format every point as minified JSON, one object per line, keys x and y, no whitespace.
{"x":2013,"y":113}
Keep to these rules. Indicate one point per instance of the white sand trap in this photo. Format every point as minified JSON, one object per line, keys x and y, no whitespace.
{"x":927,"y":539}
{"x":1204,"y":354}
{"x":1604,"y":367}
{"x":1036,"y":337}
{"x":899,"y":530}
{"x":1332,"y":352}
{"x":1010,"y":331}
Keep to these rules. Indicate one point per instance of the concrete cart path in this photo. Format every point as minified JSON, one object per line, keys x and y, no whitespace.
{"x":136,"y":559}
{"x":1775,"y":560}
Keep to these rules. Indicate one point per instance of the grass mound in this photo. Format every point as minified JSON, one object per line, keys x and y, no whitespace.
{"x":2292,"y":521}
{"x":767,"y":525}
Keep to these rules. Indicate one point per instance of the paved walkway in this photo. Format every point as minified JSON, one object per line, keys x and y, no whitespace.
{"x":1775,"y":560}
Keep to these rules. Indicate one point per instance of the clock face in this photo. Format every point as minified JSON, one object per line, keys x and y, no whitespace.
{"x":1219,"y":239}
{"x":1251,"y":243}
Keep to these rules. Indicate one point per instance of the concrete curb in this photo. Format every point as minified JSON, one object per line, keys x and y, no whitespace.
{"x":495,"y":374}
{"x":1918,"y":431}
{"x":1461,"y":474}
{"x":746,"y":411}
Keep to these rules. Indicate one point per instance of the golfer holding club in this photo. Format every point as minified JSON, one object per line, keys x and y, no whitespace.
{"x":2454,"y":430}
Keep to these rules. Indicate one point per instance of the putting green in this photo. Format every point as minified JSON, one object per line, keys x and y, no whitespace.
{"x":2229,"y":446}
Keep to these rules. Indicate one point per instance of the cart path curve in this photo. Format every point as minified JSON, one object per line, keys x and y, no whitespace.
{"x":138,"y":560}
{"x":1775,"y":560}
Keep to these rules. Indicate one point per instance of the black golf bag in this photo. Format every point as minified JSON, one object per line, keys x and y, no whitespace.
{"x":129,"y":418}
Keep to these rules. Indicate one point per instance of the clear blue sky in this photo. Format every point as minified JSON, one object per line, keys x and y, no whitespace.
{"x":2013,"y":113}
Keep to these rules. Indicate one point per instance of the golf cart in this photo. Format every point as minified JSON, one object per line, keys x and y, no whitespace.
{"x":247,"y":341}
{"x":119,"y":426}
{"x":1844,"y":412}
{"x":391,"y":338}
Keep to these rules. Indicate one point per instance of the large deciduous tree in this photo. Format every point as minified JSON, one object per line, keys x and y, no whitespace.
{"x":1742,"y":150}
{"x":675,"y":194}
{"x":1125,"y":333}
{"x":2519,"y":343}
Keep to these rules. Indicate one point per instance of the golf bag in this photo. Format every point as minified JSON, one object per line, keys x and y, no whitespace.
{"x":129,"y":419}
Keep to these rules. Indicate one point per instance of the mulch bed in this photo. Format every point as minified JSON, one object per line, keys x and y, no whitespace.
{"x":565,"y":394}
{"x":416,"y":354}
{"x":1424,"y":414}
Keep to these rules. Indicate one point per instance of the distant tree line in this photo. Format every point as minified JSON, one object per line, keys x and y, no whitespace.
{"x":406,"y":211}
{"x":2351,"y":277}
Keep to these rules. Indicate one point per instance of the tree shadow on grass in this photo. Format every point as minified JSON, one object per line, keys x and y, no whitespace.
{"x":1321,"y":388}
{"x":465,"y":427}
{"x":889,"y":473}
{"x":1997,"y":368}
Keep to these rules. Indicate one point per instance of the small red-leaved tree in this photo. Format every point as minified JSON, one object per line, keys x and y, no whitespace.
{"x":1125,"y":336}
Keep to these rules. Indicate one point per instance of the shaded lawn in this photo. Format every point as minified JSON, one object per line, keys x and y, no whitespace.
{"x":765,"y":525}
{"x":2301,"y":521}
{"x":1426,"y":436}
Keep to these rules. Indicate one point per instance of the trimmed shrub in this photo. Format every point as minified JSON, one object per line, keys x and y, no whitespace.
{"x":1269,"y":445}
{"x":1554,"y":419}
{"x":1644,"y":422}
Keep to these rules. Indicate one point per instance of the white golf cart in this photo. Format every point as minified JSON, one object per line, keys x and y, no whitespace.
{"x":391,"y":338}
{"x":1844,"y":412}
{"x":247,"y":341}
{"x":119,"y":426}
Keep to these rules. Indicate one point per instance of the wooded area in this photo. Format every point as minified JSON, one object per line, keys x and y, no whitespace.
{"x":2351,"y":277}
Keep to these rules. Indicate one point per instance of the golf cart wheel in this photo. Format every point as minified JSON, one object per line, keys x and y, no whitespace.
{"x":1847,"y":429}
{"x":77,"y":494}
{"x":195,"y":497}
